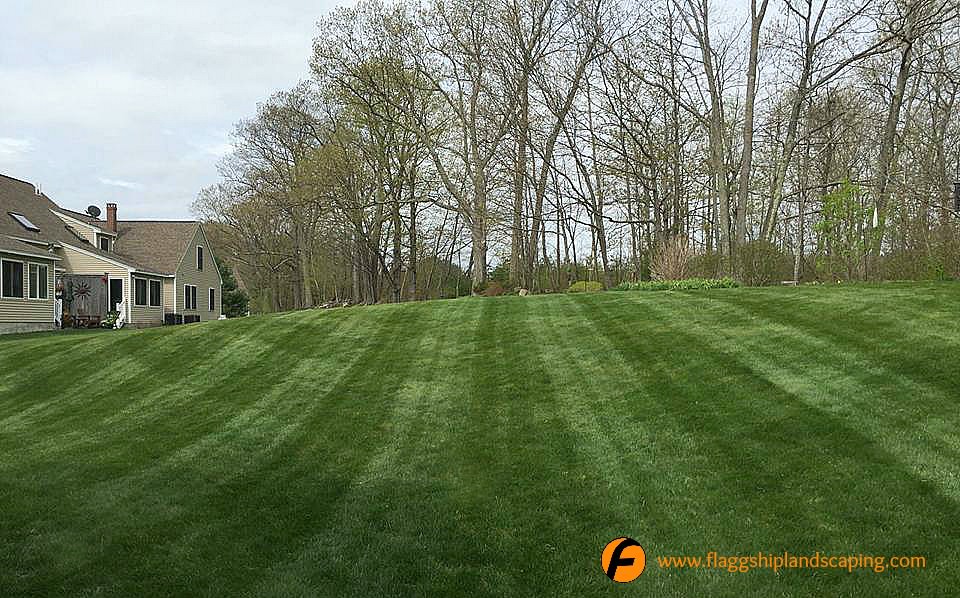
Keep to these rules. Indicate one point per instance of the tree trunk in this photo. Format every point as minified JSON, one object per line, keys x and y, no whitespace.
{"x":885,"y":159}
{"x":746,"y":162}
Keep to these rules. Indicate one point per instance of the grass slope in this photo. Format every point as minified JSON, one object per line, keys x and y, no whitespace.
{"x":489,"y":446}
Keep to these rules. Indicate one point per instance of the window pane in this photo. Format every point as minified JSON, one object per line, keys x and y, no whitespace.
{"x":12,"y":279}
{"x":44,"y":281}
{"x":140,"y":291}
{"x":34,"y":284}
{"x":212,"y":300}
{"x":155,"y":293}
{"x":199,"y":258}
{"x":24,"y":222}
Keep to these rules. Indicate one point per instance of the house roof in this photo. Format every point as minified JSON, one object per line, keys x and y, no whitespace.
{"x":160,"y":244}
{"x":82,"y":217}
{"x":14,"y":246}
{"x":154,"y":247}
{"x":20,"y":197}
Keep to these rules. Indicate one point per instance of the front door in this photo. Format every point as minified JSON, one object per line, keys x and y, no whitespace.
{"x":116,"y":293}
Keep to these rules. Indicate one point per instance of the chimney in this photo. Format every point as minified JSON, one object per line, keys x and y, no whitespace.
{"x":112,"y":217}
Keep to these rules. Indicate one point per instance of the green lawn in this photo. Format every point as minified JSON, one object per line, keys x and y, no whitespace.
{"x":489,"y":447}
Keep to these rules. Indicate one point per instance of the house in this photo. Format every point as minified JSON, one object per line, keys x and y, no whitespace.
{"x":54,"y":260}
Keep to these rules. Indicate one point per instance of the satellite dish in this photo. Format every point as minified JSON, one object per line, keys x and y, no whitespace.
{"x":93,"y":211}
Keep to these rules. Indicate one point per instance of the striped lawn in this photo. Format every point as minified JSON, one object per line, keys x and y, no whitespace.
{"x":489,"y":447}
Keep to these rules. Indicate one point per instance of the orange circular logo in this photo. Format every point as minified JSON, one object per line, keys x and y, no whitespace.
{"x":623,"y":559}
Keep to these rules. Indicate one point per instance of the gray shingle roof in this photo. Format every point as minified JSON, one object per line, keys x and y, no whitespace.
{"x":160,"y":244}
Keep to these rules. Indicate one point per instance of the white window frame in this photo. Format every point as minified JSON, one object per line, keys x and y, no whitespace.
{"x":46,"y":280}
{"x":190,"y":297}
{"x":201,"y":258}
{"x":211,"y":299}
{"x":23,"y":266}
{"x":146,"y":294}
{"x":150,"y":284}
{"x":100,"y":240}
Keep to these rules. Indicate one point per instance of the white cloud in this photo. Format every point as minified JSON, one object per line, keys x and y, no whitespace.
{"x":119,"y":183}
{"x":219,"y":150}
{"x":12,"y":149}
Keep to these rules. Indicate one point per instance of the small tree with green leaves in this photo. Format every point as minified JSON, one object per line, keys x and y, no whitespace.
{"x":843,"y":233}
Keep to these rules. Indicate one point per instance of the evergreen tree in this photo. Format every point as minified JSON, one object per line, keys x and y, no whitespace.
{"x":235,"y":300}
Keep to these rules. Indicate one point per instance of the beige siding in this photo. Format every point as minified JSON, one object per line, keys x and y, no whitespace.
{"x":145,"y":314}
{"x":76,"y":262}
{"x":188,"y":274}
{"x":32,"y":311}
{"x":169,"y":296}
{"x":86,"y":233}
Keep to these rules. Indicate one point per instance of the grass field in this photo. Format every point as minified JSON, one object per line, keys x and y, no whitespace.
{"x":489,"y":447}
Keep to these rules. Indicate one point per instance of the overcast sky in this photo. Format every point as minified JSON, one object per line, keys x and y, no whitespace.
{"x":133,"y":101}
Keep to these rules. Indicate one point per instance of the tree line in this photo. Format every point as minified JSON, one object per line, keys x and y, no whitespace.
{"x":445,"y":146}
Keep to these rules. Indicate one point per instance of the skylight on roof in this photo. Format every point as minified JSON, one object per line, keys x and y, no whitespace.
{"x":24,"y":222}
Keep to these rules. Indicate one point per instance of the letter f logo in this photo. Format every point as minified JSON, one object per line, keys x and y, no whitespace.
{"x":623,"y":560}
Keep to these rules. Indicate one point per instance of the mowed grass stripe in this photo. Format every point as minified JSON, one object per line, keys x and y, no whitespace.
{"x":516,"y":501}
{"x":620,"y":444}
{"x":393,"y":507}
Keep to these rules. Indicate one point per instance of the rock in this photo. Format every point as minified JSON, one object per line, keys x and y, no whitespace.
{"x":523,"y":292}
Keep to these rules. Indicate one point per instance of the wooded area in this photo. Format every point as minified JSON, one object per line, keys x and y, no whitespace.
{"x":443,"y":145}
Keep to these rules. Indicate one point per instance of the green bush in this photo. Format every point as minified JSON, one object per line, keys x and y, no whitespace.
{"x":585,"y":286}
{"x":110,"y":320}
{"x":761,"y":263}
{"x":686,"y":284}
{"x":939,"y":260}
{"x":709,"y":264}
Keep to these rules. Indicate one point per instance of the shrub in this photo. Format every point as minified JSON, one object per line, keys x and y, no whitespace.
{"x":686,"y":284}
{"x":493,"y":289}
{"x":110,"y":320}
{"x":940,"y":260}
{"x":671,"y":261}
{"x":709,"y":264}
{"x":585,"y":286}
{"x":761,"y":263}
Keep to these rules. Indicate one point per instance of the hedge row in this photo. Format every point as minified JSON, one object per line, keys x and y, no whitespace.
{"x":678,"y":285}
